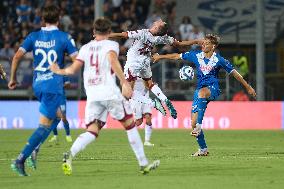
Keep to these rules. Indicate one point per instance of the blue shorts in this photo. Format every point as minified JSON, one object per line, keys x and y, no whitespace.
{"x":215,"y":92}
{"x":49,"y":104}
{"x":63,"y":105}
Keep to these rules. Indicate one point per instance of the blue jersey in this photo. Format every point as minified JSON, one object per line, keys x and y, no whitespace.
{"x":48,"y":45}
{"x":207,"y":69}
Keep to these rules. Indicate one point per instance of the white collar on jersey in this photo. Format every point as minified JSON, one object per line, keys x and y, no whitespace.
{"x":212,"y":58}
{"x":49,"y":28}
{"x":206,"y":68}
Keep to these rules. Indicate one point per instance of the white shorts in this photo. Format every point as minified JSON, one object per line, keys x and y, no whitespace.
{"x":132,"y":71}
{"x":98,"y":110}
{"x":140,"y":109}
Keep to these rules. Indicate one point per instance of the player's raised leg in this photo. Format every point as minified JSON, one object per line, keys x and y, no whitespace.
{"x":198,"y":109}
{"x":158,"y":92}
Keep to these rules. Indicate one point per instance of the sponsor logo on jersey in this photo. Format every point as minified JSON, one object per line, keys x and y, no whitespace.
{"x":44,"y":76}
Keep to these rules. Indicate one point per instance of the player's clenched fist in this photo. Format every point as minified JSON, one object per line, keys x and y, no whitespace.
{"x":127,"y":90}
{"x":155,"y":58}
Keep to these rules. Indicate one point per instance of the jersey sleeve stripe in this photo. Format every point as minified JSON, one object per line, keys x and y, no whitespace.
{"x":231,"y":71}
{"x":82,"y":61}
{"x":73,"y":54}
{"x":23,"y":49}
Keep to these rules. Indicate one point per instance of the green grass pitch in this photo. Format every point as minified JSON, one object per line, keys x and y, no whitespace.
{"x":238,"y":159}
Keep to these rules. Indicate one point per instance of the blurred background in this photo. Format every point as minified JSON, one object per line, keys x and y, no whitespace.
{"x":251,"y":38}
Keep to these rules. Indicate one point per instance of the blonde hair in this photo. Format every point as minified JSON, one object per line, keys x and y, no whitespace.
{"x":214,"y":39}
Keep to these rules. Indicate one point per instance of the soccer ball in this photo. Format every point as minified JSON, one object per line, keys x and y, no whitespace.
{"x":186,"y":73}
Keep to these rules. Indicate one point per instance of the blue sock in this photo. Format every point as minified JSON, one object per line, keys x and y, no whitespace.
{"x":201,"y":140}
{"x":33,"y":142}
{"x":66,"y":127}
{"x":201,"y":106}
{"x":55,"y":131}
{"x":52,"y":128}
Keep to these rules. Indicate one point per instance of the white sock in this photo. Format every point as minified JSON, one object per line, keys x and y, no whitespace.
{"x":137,"y":146}
{"x":158,"y":92}
{"x":137,"y":96}
{"x":81,"y":142}
{"x":148,"y":132}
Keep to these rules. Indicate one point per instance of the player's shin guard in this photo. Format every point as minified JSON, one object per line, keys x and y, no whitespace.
{"x":66,"y":127}
{"x":201,"y":106}
{"x":52,"y":128}
{"x":33,"y":142}
{"x":201,"y":140}
{"x":82,"y":141}
{"x":137,"y":145}
{"x":148,"y":132}
{"x":158,"y":92}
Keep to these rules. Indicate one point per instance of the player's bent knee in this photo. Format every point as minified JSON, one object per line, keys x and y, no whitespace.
{"x":139,"y":121}
{"x":204,"y":93}
{"x":95,"y":126}
{"x":128,"y":124}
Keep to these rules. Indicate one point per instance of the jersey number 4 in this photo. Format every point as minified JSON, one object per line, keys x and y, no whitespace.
{"x":96,"y":63}
{"x":50,"y":57}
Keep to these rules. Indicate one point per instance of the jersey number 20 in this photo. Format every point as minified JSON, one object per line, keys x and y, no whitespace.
{"x":50,"y":57}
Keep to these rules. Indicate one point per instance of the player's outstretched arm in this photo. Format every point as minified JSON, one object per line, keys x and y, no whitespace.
{"x":118,"y":35}
{"x":70,"y":70}
{"x":15,"y":63}
{"x":249,"y":89}
{"x":157,"y":57}
{"x":189,"y":42}
{"x":116,"y":67}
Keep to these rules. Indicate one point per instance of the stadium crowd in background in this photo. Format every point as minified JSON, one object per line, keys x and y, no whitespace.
{"x":77,"y":18}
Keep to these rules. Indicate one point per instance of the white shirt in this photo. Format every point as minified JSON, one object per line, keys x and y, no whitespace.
{"x":99,"y":81}
{"x":144,"y":41}
{"x":185,"y":31}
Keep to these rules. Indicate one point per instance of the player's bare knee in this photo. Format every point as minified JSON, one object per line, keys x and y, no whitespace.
{"x":95,"y":127}
{"x":204,"y":93}
{"x":148,"y":118}
{"x":128,"y":123}
{"x":138,"y":122}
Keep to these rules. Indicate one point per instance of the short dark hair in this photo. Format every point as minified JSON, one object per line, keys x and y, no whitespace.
{"x":214,"y":39}
{"x":102,"y":25}
{"x":50,"y":14}
{"x":163,"y":30}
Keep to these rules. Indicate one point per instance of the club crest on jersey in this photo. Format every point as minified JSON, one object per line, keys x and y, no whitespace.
{"x":206,"y":68}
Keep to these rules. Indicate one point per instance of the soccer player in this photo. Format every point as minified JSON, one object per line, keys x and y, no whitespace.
{"x":139,"y":59}
{"x":100,"y":58}
{"x":63,"y":116}
{"x":142,"y":110}
{"x":208,"y":63}
{"x":48,"y":45}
